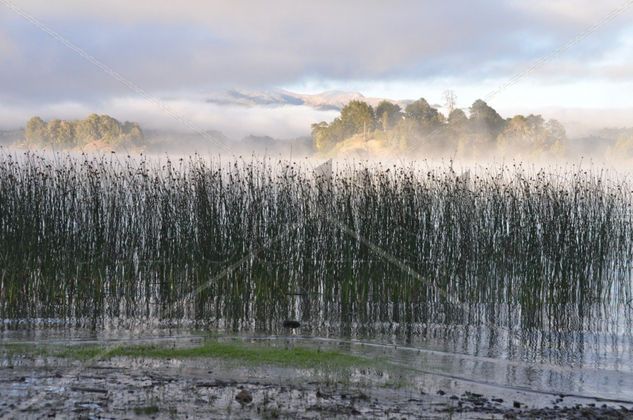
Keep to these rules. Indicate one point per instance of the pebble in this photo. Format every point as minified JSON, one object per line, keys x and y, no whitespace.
{"x":244,"y":397}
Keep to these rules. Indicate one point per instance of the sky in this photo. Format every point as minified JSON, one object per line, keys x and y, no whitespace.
{"x":179,"y":52}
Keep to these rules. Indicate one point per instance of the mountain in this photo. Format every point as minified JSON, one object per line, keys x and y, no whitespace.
{"x":330,"y":100}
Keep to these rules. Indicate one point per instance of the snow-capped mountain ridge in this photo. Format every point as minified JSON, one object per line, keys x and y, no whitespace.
{"x":329,"y":100}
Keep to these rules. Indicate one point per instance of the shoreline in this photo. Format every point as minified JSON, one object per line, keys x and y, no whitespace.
{"x":168,"y":387}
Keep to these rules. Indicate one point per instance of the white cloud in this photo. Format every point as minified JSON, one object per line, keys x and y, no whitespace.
{"x":7,"y":47}
{"x":196,"y":45}
{"x":400,"y":49}
{"x":574,"y":12}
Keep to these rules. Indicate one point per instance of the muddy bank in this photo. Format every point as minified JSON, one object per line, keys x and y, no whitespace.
{"x":121,"y":387}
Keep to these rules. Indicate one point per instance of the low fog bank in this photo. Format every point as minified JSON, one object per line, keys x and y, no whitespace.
{"x":175,"y":142}
{"x":607,"y":145}
{"x":184,"y":115}
{"x":329,"y":125}
{"x":582,"y":122}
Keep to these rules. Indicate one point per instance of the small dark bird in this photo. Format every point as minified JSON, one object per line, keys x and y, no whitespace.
{"x":291,"y":324}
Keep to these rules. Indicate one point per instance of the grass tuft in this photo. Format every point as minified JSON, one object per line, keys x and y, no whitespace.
{"x":248,"y":353}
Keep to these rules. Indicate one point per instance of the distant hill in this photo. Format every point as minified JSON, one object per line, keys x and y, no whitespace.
{"x":330,"y":100}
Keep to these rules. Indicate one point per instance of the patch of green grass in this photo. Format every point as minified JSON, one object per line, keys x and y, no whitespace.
{"x":146,"y":411}
{"x":252,"y":354}
{"x":17,"y":349}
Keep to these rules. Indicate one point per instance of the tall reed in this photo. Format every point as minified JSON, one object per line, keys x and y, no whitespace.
{"x":95,"y":239}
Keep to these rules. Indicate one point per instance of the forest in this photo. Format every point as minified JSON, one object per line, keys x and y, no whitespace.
{"x":94,"y":133}
{"x":423,"y":130}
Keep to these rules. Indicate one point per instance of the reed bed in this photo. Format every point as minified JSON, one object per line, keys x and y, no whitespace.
{"x":243,"y":244}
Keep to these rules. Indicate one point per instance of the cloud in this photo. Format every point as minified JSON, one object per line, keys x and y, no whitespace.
{"x":196,"y":45}
{"x":178,"y":50}
{"x":570,"y":12}
{"x":7,"y":48}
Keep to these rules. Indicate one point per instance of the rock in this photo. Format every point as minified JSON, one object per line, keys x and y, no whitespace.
{"x":473,"y":394}
{"x":244,"y":397}
{"x":440,"y":392}
{"x":323,"y":395}
{"x":88,"y":389}
{"x":361,"y":396}
{"x":516,"y":404}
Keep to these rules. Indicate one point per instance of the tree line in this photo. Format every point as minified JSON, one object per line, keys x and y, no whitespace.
{"x":423,"y":128}
{"x":96,"y":130}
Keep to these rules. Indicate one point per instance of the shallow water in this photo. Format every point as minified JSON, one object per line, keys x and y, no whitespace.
{"x":589,"y":365}
{"x":511,"y":280}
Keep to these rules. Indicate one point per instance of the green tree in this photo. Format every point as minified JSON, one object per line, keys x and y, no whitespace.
{"x":87,"y":130}
{"x":35,"y":131}
{"x":322,"y":137}
{"x":67,"y":133}
{"x":357,"y":117}
{"x":485,"y":120}
{"x":457,"y":131}
{"x":556,"y":133}
{"x":556,"y":137}
{"x":388,"y":114}
{"x":110,"y":130}
{"x":458,"y":119}
{"x":531,"y":135}
{"x":426,"y":117}
{"x":54,"y":131}
{"x":102,"y":129}
{"x":133,"y":133}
